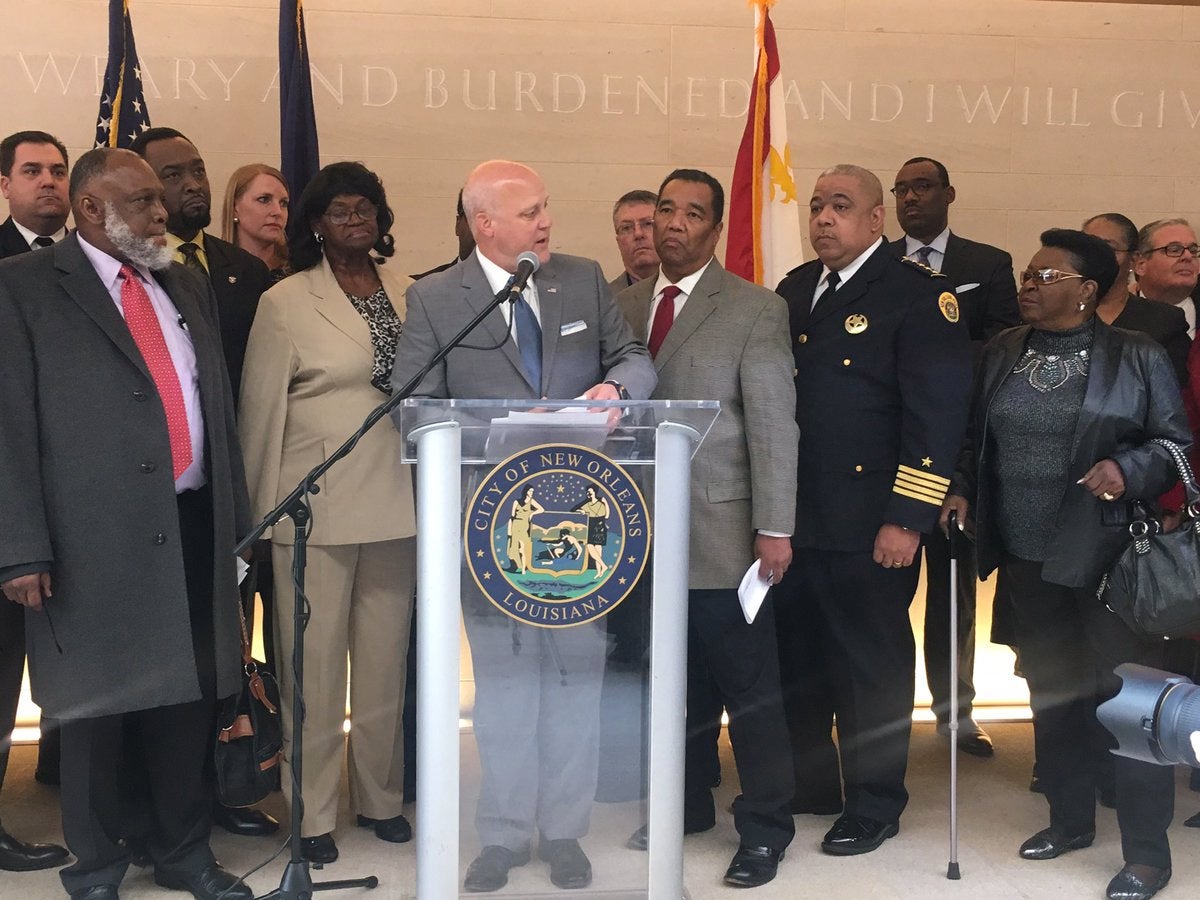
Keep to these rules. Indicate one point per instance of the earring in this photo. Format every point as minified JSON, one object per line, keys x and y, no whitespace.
{"x":320,"y":238}
{"x":235,"y":220}
{"x":1082,"y":306}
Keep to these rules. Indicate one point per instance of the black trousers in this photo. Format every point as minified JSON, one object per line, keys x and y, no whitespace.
{"x":850,"y":648}
{"x":937,"y":624}
{"x":741,"y":660}
{"x":1070,"y":645}
{"x":141,"y":773}
{"x":12,"y":671}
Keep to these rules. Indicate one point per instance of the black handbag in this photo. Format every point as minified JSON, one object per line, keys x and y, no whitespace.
{"x":249,"y":743}
{"x":1154,"y":586}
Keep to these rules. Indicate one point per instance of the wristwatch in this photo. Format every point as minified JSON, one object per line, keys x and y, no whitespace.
{"x":621,"y":392}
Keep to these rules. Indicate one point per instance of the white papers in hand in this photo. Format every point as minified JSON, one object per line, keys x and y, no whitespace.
{"x":752,"y":591}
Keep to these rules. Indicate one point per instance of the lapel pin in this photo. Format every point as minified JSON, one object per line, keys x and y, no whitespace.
{"x":233,"y":279}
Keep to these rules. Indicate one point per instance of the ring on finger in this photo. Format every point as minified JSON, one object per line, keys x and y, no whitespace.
{"x":1107,"y":496}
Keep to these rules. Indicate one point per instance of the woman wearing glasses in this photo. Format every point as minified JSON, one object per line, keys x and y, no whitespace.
{"x":319,"y":359}
{"x":1064,"y":409}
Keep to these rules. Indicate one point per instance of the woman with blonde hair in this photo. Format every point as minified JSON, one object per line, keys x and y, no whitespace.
{"x":255,"y":215}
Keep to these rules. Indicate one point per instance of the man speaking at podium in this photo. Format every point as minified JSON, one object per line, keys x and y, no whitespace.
{"x":564,"y":337}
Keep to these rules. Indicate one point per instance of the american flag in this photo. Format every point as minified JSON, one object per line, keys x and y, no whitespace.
{"x":123,"y":114}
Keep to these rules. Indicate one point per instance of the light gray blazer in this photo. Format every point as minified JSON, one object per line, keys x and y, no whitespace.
{"x":585,"y":340}
{"x":730,"y":343}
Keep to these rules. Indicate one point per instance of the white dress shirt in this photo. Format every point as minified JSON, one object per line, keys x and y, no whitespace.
{"x":31,"y":236}
{"x":498,"y":279}
{"x":846,"y":272}
{"x":937,"y":245}
{"x":686,"y":285}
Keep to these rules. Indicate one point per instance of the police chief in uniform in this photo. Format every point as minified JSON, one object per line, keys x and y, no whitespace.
{"x":883,"y":373}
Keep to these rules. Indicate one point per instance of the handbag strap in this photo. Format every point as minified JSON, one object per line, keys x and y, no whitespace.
{"x":1184,"y":468}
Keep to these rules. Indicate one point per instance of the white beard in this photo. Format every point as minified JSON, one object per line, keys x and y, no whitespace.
{"x":139,"y":251}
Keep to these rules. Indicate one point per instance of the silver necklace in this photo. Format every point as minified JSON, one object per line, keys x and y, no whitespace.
{"x":1050,"y":371}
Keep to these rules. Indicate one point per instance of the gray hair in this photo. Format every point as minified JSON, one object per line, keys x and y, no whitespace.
{"x":1145,"y":241}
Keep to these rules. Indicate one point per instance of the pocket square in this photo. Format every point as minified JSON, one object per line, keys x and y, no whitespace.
{"x":966,"y":287}
{"x":572,"y":328}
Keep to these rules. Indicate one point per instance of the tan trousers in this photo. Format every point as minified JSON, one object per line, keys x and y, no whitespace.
{"x":360,"y":596}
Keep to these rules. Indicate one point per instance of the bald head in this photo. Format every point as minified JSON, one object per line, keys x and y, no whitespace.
{"x":505,"y":204}
{"x":872,"y":187}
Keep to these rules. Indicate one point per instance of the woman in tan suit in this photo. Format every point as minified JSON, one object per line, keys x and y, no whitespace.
{"x":319,"y":360}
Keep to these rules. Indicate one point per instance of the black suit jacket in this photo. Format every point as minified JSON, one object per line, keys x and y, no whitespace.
{"x":1165,"y":323}
{"x":12,"y":241}
{"x":1131,"y":397}
{"x":990,"y":306}
{"x":238,"y":281}
{"x":883,"y":371}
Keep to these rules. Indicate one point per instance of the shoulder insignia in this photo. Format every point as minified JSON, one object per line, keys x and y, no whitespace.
{"x":948,"y":304}
{"x":921,"y":267}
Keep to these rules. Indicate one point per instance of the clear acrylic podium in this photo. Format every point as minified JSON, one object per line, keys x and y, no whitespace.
{"x":548,"y":673}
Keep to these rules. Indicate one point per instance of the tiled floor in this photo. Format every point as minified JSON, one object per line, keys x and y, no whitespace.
{"x":996,"y":813}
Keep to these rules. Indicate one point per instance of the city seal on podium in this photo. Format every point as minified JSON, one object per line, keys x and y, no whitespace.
{"x":557,"y":535}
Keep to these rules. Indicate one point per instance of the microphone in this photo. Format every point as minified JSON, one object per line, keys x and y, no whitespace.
{"x":527,"y":264}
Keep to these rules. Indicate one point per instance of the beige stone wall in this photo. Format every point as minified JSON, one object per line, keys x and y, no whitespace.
{"x":1044,"y":111}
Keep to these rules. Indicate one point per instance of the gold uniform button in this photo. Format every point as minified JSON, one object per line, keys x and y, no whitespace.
{"x":845,"y":362}
{"x":858,"y":468}
{"x":803,"y":339}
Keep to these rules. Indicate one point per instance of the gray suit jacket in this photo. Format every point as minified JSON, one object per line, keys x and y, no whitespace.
{"x":730,"y":343}
{"x":85,"y":476}
{"x":584,"y":338}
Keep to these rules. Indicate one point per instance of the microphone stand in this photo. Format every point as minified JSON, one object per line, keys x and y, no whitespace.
{"x":297,"y":883}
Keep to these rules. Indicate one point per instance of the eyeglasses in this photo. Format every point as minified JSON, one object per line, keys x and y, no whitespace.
{"x":916,"y":188}
{"x":340,"y":215}
{"x":627,"y":228}
{"x":1047,"y":276}
{"x":1175,"y":249}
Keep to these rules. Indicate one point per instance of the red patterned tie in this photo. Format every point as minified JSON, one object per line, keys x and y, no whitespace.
{"x":664,"y":317}
{"x":147,"y":334}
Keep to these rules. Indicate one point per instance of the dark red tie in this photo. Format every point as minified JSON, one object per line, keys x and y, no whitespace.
{"x":147,"y":334}
{"x":664,"y":317}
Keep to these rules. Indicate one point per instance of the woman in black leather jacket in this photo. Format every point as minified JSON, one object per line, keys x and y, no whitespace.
{"x":1064,"y":409}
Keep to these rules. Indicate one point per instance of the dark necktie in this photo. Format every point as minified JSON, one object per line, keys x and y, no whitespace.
{"x":529,"y":340}
{"x":664,"y":318}
{"x":831,"y":285}
{"x":923,"y":255}
{"x":191,"y":257}
{"x":42,"y":242}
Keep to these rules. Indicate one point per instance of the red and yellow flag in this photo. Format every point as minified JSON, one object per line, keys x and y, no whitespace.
{"x":764,"y":239}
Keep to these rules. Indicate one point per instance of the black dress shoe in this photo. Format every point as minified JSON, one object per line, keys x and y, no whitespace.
{"x":96,"y":892}
{"x":852,"y":835}
{"x":18,"y":856}
{"x":244,"y":821}
{"x":1127,"y":885}
{"x":206,"y":884}
{"x":639,"y":840}
{"x":319,"y":850}
{"x":569,"y":865}
{"x":971,"y":738}
{"x":1193,"y":822}
{"x":396,"y":829}
{"x":1050,"y":843}
{"x":753,"y":866}
{"x":489,"y":870}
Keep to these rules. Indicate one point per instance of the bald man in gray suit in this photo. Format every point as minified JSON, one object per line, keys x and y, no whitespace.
{"x":537,"y":731}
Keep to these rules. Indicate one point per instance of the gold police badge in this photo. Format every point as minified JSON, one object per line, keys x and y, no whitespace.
{"x":948,"y":304}
{"x":856,"y":323}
